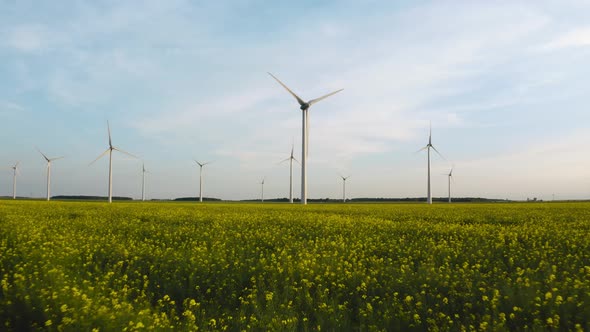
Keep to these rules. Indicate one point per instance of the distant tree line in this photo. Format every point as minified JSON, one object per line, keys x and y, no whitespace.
{"x":190,"y":199}
{"x":382,"y":199}
{"x":90,"y":198}
{"x":285,"y":199}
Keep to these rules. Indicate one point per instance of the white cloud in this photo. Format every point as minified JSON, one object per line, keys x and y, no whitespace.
{"x":27,"y":38}
{"x":7,"y":107}
{"x":578,"y":37}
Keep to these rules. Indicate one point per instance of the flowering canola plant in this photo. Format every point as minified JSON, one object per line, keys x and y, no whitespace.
{"x":73,"y":266}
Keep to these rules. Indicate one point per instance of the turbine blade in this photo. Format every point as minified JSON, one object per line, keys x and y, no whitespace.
{"x":282,"y":161}
{"x":109,"y":129}
{"x":101,"y":155}
{"x":127,"y":153}
{"x":198,"y":163}
{"x":43,"y":154}
{"x":297,"y":161}
{"x":56,"y":158}
{"x":424,"y":148}
{"x":432,"y":146}
{"x":299,"y":100}
{"x":313,"y":101}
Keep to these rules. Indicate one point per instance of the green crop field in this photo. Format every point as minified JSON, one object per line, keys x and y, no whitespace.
{"x":76,"y":266}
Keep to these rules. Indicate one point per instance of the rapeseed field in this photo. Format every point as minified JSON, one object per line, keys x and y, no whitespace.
{"x":72,"y":266}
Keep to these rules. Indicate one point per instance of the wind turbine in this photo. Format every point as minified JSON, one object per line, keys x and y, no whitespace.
{"x":262,"y":193}
{"x":49,"y":160}
{"x":450,"y":175}
{"x":201,"y":179}
{"x":427,"y":148}
{"x":344,"y":178}
{"x":304,"y":106}
{"x":290,"y":159}
{"x":15,"y":172}
{"x":110,"y":152}
{"x":143,"y":171}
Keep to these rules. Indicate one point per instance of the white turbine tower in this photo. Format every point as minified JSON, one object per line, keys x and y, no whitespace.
{"x":201,"y":178}
{"x":110,"y":152}
{"x":450,"y":175}
{"x":427,"y":148}
{"x":143,"y":171}
{"x":344,"y":178}
{"x":49,"y":160}
{"x":304,"y":106}
{"x":15,"y":173}
{"x":290,"y":159}
{"x":262,"y":193}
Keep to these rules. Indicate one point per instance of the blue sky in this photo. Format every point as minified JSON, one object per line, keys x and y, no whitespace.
{"x":505,"y":84}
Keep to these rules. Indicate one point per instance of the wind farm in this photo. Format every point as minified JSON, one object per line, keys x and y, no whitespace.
{"x":436,"y":178}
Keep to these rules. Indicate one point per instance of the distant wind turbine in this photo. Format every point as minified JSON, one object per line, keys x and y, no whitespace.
{"x":15,"y":173}
{"x":201,"y":178}
{"x":49,"y":160}
{"x":304,"y":106}
{"x":110,"y":152}
{"x":290,"y":159}
{"x":262,"y":193}
{"x":427,"y":148}
{"x":450,"y":175}
{"x":344,"y":178}
{"x":143,"y":171}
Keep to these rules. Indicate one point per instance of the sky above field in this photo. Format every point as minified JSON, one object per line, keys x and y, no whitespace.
{"x":504,"y":83}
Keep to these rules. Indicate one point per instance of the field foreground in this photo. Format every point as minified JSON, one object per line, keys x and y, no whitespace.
{"x":134,"y":266}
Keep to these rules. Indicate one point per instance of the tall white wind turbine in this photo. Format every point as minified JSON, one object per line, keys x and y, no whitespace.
{"x":110,"y":150}
{"x":344,"y":178}
{"x":304,"y":106}
{"x":143,"y":171}
{"x":427,"y":148}
{"x":15,"y":173}
{"x":49,"y":160}
{"x":450,"y":175}
{"x":290,"y":159}
{"x":201,"y":178}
